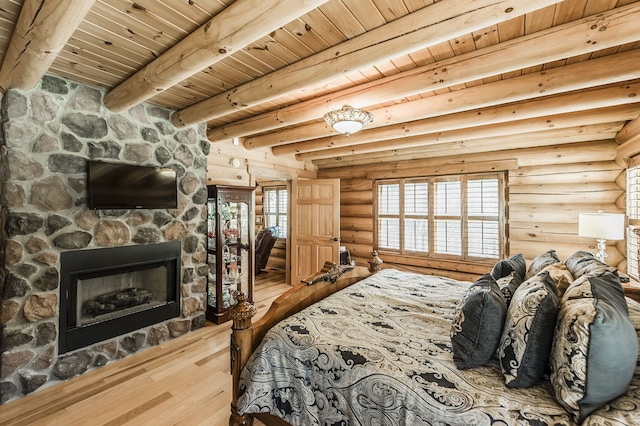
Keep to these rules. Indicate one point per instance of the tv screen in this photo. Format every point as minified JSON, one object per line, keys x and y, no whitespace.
{"x":126,"y":186}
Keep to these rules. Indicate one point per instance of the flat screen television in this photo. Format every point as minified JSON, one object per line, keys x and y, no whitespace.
{"x":127,"y":186}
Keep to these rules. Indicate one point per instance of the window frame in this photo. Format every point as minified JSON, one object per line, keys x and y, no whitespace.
{"x":633,"y":219}
{"x":464,"y":217}
{"x":278,"y":189}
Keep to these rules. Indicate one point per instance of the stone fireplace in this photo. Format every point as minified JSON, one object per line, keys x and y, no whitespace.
{"x":48,"y":134}
{"x":105,"y":293}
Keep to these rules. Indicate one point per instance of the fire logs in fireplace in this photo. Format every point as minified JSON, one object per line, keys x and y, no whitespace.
{"x":116,"y":301}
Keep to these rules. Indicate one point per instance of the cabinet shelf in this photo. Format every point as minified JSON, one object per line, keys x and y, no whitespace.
{"x":230,"y":260}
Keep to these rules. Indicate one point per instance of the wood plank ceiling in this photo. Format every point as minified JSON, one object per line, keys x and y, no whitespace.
{"x":435,"y":74}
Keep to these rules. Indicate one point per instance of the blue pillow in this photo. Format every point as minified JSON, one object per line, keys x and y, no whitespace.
{"x":477,"y":324}
{"x":515,"y":263}
{"x":595,"y":334}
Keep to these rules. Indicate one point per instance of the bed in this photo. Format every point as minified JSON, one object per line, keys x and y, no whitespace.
{"x":378,"y":352}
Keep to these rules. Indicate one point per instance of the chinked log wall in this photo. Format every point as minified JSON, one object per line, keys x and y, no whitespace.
{"x":546,"y":191}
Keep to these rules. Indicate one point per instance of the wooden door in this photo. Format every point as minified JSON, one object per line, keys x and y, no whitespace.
{"x":315,"y":226}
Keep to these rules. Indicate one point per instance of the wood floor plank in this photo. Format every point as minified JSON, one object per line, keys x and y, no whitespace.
{"x":184,"y":381}
{"x":133,"y":414}
{"x":184,"y":403}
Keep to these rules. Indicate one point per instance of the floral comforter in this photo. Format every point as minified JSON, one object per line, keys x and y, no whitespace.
{"x":379,"y":353}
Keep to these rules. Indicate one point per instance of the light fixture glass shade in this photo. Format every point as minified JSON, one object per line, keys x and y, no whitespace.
{"x":606,"y":226}
{"x":347,"y":126}
{"x":348,"y":120}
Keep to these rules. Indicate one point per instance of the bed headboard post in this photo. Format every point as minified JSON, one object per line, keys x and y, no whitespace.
{"x":241,"y":347}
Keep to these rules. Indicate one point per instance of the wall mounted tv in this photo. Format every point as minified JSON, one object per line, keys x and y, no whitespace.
{"x":126,"y":186}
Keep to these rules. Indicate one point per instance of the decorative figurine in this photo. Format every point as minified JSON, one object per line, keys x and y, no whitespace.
{"x":374,"y":262}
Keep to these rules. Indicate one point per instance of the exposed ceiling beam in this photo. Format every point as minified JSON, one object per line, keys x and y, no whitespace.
{"x":231,"y":30}
{"x":599,"y":71}
{"x":426,"y":27}
{"x":608,"y":96}
{"x":563,"y":121}
{"x":600,"y":31}
{"x":596,"y":72}
{"x":38,"y":38}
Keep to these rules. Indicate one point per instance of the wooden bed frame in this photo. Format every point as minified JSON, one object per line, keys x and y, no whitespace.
{"x":246,"y":336}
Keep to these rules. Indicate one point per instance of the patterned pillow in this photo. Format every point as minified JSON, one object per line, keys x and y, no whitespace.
{"x":508,"y":286}
{"x":477,"y":324}
{"x":528,"y":331}
{"x":596,"y":347}
{"x":583,"y":262}
{"x":509,"y":274}
{"x":540,"y":261}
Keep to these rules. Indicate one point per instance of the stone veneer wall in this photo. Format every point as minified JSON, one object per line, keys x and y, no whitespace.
{"x":48,"y":134}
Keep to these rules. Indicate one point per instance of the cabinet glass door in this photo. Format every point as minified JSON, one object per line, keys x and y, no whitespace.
{"x":229,"y":249}
{"x":211,"y":253}
{"x":235,"y":250}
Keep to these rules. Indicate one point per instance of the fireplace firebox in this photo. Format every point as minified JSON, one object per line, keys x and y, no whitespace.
{"x":107,"y":292}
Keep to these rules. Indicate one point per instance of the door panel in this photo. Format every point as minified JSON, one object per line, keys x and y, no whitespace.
{"x":315,"y":216}
{"x":303,"y":252}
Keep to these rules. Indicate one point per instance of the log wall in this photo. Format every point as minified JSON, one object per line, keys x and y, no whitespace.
{"x":253,"y":165}
{"x":257,"y":168}
{"x":546,"y":192}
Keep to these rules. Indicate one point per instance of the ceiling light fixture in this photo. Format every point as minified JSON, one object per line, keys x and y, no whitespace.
{"x":348,"y":119}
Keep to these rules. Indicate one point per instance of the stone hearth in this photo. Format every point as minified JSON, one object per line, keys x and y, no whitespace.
{"x":48,"y":134}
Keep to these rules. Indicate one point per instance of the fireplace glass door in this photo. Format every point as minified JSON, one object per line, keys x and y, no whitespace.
{"x":229,"y":249}
{"x":108,"y":292}
{"x":104,"y":297}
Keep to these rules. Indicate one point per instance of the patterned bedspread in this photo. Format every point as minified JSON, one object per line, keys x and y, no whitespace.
{"x":379,"y":353}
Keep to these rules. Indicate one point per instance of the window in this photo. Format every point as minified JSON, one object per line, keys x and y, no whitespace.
{"x":458,"y":216}
{"x":633,"y":215}
{"x":274,"y":208}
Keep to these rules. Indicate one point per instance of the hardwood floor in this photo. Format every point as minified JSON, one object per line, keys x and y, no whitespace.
{"x":184,"y":381}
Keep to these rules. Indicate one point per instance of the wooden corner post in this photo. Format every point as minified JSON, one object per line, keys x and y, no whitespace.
{"x":241,"y":347}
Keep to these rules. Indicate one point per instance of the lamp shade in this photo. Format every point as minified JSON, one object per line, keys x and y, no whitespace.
{"x":606,"y":226}
{"x":347,"y":126}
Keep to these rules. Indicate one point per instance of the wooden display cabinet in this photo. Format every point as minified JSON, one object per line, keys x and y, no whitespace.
{"x":230,"y":257}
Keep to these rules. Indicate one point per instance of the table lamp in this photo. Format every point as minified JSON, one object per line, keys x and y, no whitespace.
{"x":602,"y":227}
